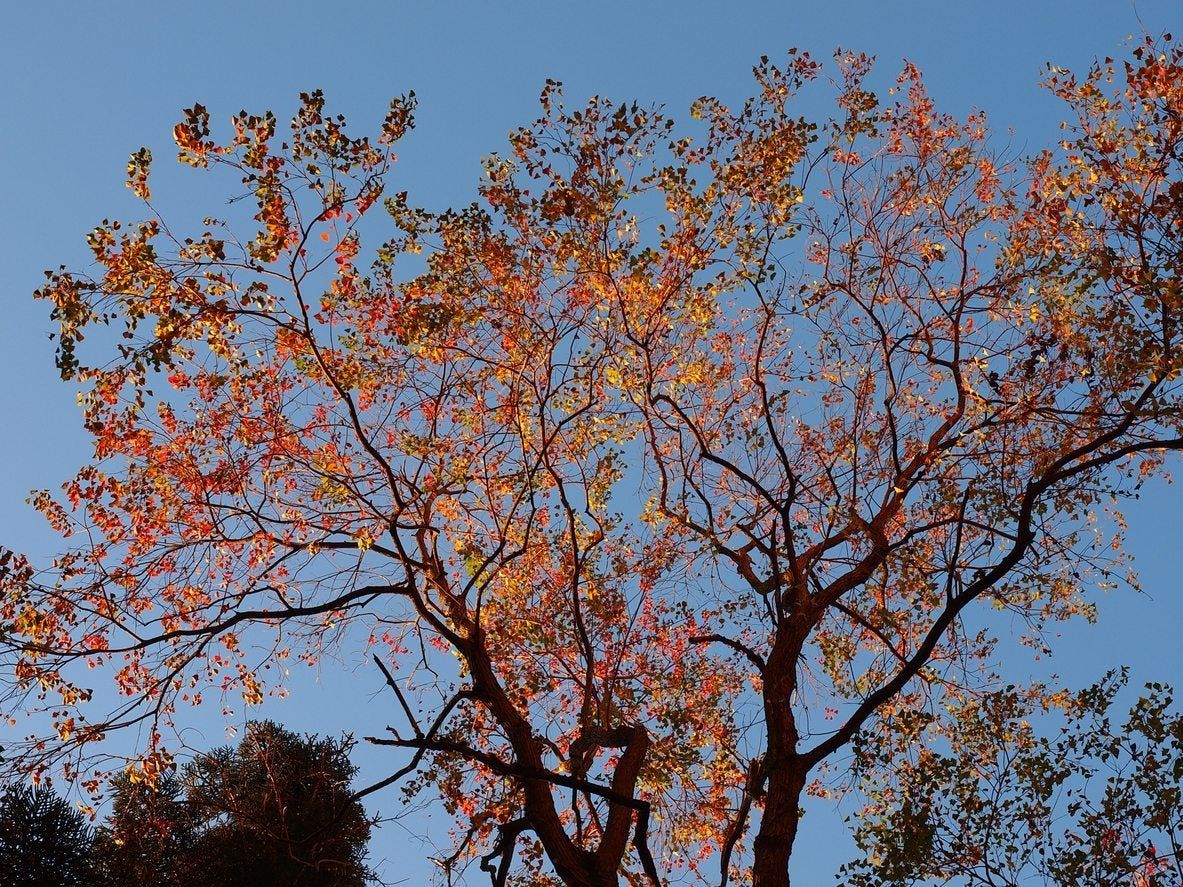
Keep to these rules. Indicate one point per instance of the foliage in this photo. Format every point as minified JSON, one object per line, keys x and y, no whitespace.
{"x":278,"y":809}
{"x":275,"y":810}
{"x":650,"y":480}
{"x":44,"y":841}
{"x":1096,"y":803}
{"x":149,"y":836}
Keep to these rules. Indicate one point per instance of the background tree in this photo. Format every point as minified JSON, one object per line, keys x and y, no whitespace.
{"x":987,"y":797}
{"x":44,"y":840}
{"x":149,"y":836}
{"x":276,"y":809}
{"x":863,"y":373}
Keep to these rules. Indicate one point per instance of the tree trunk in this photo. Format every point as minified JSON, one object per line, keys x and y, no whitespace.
{"x":778,"y":825}
{"x":784,"y":770}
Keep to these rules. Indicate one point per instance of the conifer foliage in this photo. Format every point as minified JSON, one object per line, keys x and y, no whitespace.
{"x":274,"y":811}
{"x":44,"y":840}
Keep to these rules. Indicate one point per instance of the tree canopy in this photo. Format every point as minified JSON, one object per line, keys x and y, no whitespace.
{"x":44,"y":840}
{"x":990,"y":796}
{"x":149,"y":836}
{"x":274,"y":811}
{"x":650,"y":480}
{"x":277,"y":809}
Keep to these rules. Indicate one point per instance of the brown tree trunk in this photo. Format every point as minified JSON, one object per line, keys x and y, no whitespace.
{"x":575,"y":866}
{"x":592,"y":874}
{"x":783,"y":769}
{"x":778,"y":826}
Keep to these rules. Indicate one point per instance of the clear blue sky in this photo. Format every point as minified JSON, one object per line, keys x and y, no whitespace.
{"x":84,"y":84}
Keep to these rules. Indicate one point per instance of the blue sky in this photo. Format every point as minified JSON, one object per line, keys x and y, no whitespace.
{"x":85,"y":84}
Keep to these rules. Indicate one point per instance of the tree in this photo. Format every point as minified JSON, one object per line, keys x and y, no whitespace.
{"x":149,"y":837}
{"x":274,"y":810}
{"x":278,"y":810}
{"x":1002,"y":803}
{"x":44,"y":841}
{"x":865,"y":373}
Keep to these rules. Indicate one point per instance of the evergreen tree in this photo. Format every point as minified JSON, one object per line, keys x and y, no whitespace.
{"x":44,"y":842}
{"x":149,"y":837}
{"x":275,"y":811}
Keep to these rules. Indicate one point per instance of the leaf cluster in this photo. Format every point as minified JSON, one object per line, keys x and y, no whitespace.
{"x":1017,"y":787}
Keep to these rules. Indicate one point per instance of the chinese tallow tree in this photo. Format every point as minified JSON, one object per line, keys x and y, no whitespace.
{"x":681,"y":458}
